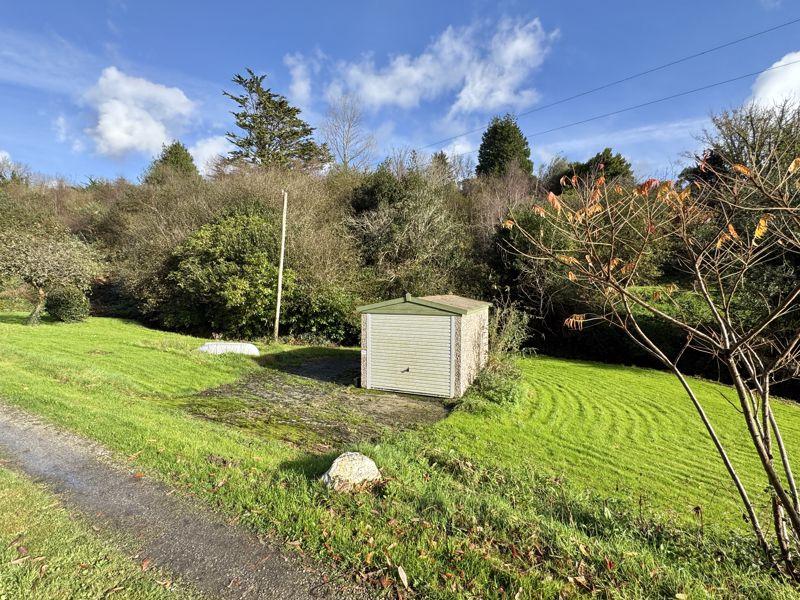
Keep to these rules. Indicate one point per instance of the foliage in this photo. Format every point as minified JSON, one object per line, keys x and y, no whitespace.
{"x":273,"y":132}
{"x":12,"y":172}
{"x":46,"y":261}
{"x":68,"y":304}
{"x":615,"y":168}
{"x":503,"y":145}
{"x":500,"y":380}
{"x":728,"y":235}
{"x":578,"y":478}
{"x":322,"y":313}
{"x":174,"y":159}
{"x":377,"y":189}
{"x":224,"y":278}
{"x":408,"y":238}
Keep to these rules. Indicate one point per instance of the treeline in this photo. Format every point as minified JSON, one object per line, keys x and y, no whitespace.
{"x":199,"y":254}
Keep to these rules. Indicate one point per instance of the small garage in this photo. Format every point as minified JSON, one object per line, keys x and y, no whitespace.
{"x":429,"y":345}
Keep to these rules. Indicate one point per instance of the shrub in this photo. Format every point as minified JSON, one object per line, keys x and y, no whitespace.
{"x":46,"y":260}
{"x":322,"y":313}
{"x":224,"y":278}
{"x":500,"y":380}
{"x":410,"y":241}
{"x":68,"y":304}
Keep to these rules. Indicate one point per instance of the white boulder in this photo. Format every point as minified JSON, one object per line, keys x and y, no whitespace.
{"x":350,"y":471}
{"x":229,"y":347}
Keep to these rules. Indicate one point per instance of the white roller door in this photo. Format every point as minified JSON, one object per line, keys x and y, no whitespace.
{"x":410,"y":353}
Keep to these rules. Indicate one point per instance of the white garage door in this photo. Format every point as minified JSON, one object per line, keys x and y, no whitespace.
{"x":410,"y":353}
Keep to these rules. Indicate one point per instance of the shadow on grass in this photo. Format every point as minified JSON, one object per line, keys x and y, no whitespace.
{"x":18,"y":318}
{"x":311,"y":466}
{"x":329,"y":365}
{"x":13,"y":319}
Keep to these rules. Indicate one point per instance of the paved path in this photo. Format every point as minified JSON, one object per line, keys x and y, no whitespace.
{"x":174,"y":533}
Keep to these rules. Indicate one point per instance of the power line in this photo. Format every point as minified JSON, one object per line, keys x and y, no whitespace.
{"x":649,"y":102}
{"x":624,"y":79}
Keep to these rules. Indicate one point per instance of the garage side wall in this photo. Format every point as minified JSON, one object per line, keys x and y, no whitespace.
{"x":364,"y":337}
{"x":472,"y":343}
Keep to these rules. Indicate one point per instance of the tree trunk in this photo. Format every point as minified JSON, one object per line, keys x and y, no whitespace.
{"x":36,"y":315}
{"x":761,"y":450}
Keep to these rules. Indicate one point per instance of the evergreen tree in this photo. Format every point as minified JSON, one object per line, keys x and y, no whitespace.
{"x":615,"y":168}
{"x":502,"y":145}
{"x":174,"y":158}
{"x":273,"y":132}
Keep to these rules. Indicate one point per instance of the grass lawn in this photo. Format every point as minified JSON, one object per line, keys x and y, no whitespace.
{"x":47,"y":554}
{"x":586,"y":485}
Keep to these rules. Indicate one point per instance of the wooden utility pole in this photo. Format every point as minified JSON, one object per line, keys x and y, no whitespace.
{"x":280,"y":263}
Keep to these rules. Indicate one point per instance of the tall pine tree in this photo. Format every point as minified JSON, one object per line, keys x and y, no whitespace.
{"x":503,"y":145}
{"x":272,"y":131}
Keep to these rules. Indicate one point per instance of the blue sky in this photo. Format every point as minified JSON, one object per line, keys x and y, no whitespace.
{"x":94,"y":88}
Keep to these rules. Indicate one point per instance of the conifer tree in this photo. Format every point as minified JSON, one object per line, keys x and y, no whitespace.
{"x":174,"y":158}
{"x":503,"y":145}
{"x":272,"y":131}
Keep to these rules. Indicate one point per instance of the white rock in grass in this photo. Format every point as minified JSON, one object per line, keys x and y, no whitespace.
{"x":229,"y":347}
{"x":351,"y":470}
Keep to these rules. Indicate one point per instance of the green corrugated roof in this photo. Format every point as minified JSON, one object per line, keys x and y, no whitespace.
{"x":449,"y":303}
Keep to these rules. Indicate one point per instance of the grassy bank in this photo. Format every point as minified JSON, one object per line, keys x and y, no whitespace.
{"x":586,"y":485}
{"x":47,"y":554}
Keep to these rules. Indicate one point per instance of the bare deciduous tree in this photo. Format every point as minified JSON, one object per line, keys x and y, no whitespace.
{"x":733,"y":234}
{"x":352,"y":145}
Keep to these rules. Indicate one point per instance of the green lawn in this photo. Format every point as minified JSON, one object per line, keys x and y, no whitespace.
{"x":587,"y":485}
{"x":46,"y":554}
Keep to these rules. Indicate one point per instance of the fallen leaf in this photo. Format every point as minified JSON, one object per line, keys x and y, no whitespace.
{"x":795,"y":165}
{"x":138,"y":475}
{"x":402,"y":573}
{"x":145,"y":564}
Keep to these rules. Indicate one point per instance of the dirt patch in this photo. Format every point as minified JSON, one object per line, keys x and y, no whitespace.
{"x":171,"y":532}
{"x":309,"y":397}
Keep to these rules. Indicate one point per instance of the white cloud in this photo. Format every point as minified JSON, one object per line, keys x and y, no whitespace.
{"x":779,"y":84}
{"x":60,"y":125}
{"x":498,"y":79}
{"x":65,"y":135}
{"x":134,"y":114}
{"x":300,"y":69}
{"x":484,"y":73}
{"x":43,"y":62}
{"x":206,"y":150}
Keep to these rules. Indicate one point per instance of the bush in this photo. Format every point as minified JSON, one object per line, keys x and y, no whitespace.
{"x":224,"y":278}
{"x":500,"y":381}
{"x":318,"y":313}
{"x":68,"y":304}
